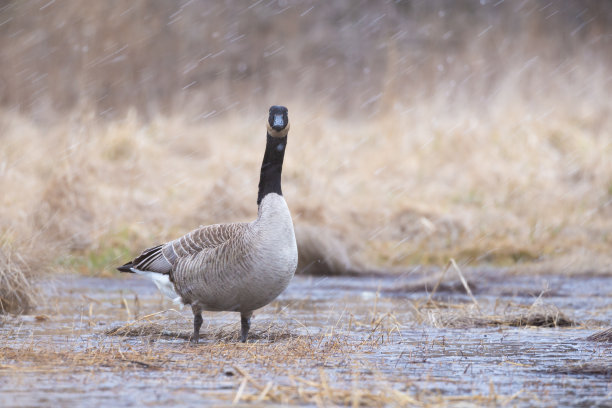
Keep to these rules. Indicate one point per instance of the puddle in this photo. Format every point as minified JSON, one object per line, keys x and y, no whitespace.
{"x":370,"y":341}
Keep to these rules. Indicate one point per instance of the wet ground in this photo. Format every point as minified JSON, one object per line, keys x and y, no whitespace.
{"x":370,"y":341}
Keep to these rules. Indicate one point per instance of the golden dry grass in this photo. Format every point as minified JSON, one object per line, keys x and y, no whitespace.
{"x":370,"y":193}
{"x":396,"y":197}
{"x":440,"y":130}
{"x":421,"y":132}
{"x":16,"y":286}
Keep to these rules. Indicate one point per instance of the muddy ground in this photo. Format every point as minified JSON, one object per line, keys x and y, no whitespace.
{"x":519,"y":341}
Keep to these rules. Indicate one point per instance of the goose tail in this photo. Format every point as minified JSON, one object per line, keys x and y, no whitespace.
{"x":126,"y":268}
{"x":151,"y":260}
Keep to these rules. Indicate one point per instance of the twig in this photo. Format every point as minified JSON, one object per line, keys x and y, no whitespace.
{"x":265,"y":391}
{"x":240,"y":391}
{"x":465,"y":284}
{"x":433,"y":292}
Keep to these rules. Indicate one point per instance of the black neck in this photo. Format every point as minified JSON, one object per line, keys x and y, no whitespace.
{"x":271,"y":167}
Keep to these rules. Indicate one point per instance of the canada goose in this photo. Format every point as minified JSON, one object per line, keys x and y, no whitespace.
{"x":232,"y":267}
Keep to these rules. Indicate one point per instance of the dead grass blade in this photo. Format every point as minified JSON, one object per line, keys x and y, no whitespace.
{"x":437,"y":285}
{"x":465,"y":284}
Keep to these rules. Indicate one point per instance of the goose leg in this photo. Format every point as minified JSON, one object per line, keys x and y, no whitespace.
{"x":197,"y":323}
{"x":245,"y":323}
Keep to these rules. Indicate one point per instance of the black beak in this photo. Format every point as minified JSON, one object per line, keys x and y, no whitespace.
{"x":278,"y":122}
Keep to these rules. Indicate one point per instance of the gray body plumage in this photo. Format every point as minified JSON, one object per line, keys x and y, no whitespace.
{"x":230,"y":267}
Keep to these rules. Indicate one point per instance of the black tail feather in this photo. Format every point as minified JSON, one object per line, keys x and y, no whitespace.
{"x":126,"y":268}
{"x":144,"y":260}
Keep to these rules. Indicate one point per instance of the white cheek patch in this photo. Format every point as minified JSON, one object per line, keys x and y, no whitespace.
{"x":277,"y":133}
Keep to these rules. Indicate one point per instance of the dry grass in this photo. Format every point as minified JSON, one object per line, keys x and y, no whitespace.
{"x":440,"y":314}
{"x":205,"y":58}
{"x":17,"y":294}
{"x":246,"y":387}
{"x":228,"y":334}
{"x":317,"y":346}
{"x":26,"y":259}
{"x":334,"y":367}
{"x":603,"y":336}
{"x":420,"y":132}
{"x":415,"y":200}
{"x":325,"y":370}
{"x":462,"y":315}
{"x":65,"y":361}
{"x":384,"y":205}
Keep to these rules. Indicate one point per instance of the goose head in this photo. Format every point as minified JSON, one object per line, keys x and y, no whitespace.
{"x":278,"y":121}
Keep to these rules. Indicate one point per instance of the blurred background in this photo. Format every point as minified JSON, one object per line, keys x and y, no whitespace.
{"x":205,"y":58}
{"x":421,"y":130}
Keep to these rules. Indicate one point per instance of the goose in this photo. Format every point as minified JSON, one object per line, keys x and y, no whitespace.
{"x":236,"y":267}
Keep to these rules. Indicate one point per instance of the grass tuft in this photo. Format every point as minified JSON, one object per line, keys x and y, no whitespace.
{"x":17,"y":292}
{"x":229,"y":334}
{"x":462,"y":315}
{"x":604,"y":336}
